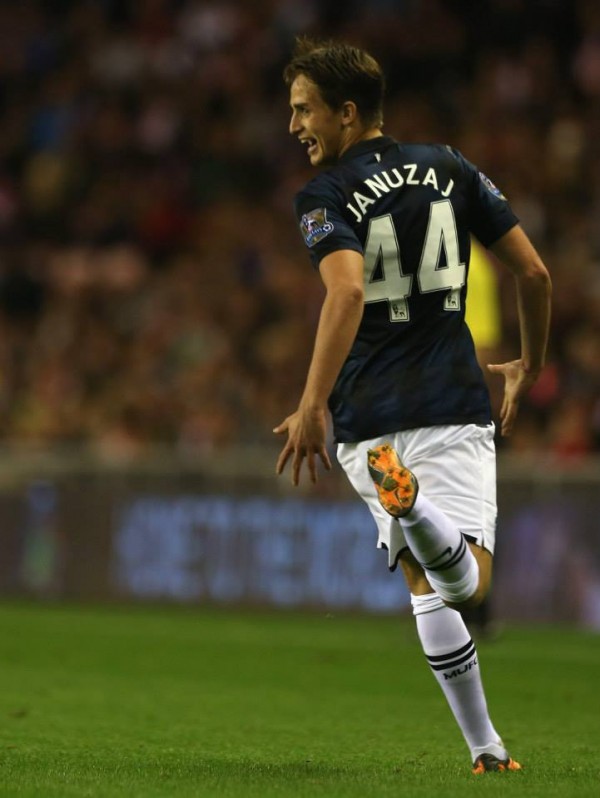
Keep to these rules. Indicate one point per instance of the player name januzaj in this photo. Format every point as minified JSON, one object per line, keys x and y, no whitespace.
{"x":383,"y":182}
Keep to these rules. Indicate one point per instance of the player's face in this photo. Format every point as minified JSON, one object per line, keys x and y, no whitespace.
{"x":315,"y":123}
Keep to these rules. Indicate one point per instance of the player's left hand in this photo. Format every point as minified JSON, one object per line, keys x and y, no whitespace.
{"x":517,"y":381}
{"x":306,"y":429}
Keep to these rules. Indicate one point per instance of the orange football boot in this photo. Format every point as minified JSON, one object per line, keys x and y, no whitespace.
{"x":486,"y":763}
{"x":396,"y":486}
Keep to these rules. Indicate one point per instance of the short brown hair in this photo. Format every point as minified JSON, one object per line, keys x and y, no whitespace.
{"x":341,"y":72}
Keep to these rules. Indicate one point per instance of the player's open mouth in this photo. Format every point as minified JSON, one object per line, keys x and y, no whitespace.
{"x":312,"y":146}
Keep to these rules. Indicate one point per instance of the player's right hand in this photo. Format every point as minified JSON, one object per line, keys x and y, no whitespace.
{"x":306,"y":431}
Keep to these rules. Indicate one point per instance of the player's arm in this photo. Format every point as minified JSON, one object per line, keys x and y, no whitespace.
{"x":342,"y":274}
{"x":341,"y":313}
{"x":534,"y":289}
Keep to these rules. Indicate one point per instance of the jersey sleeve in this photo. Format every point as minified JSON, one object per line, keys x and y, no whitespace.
{"x":491,"y":214}
{"x":323,"y":226}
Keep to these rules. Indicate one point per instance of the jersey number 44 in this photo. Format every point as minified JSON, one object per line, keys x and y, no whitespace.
{"x":384,"y":278}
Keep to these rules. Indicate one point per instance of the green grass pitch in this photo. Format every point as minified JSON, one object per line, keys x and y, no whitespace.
{"x":179,"y":702}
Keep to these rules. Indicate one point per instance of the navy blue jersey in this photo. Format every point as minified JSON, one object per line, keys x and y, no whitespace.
{"x":410,"y":210}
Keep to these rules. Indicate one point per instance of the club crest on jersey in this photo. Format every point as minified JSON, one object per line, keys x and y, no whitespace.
{"x":493,"y":189}
{"x":314,"y":226}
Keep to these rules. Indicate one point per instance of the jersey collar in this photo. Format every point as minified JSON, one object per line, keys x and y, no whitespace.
{"x":369,"y":145}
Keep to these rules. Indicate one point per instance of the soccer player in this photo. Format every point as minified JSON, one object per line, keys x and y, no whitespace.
{"x":388,"y":226}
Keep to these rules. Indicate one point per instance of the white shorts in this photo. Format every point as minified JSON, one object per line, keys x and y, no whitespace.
{"x":456,"y":470}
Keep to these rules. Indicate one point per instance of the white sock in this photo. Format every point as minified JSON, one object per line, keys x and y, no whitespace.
{"x":452,"y":657}
{"x":441,"y":550}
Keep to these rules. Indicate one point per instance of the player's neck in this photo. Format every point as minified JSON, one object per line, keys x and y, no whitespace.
{"x":356,"y":136}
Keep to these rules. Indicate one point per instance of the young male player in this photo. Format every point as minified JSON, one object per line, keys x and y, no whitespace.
{"x":388,"y":226}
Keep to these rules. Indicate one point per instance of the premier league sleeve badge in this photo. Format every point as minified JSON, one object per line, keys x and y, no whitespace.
{"x":314,"y":226}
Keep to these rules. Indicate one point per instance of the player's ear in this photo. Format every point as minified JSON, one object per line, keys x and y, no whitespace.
{"x":349,"y":113}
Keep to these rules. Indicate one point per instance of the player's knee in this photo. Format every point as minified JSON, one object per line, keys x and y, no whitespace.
{"x":471,"y":588}
{"x":472,"y":601}
{"x":466,"y":594}
{"x":480,"y":592}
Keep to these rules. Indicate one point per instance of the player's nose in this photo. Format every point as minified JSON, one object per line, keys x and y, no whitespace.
{"x":295,"y":126}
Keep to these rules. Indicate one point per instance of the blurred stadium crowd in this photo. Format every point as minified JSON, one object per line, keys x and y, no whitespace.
{"x":153,"y":284}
